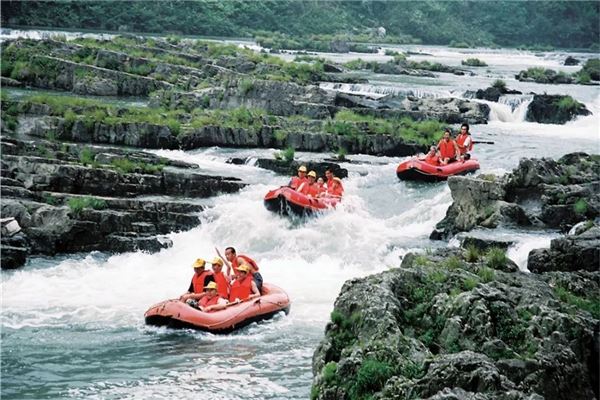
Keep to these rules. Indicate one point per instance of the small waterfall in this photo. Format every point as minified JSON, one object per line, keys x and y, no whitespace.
{"x":381,"y":91}
{"x":510,"y":108}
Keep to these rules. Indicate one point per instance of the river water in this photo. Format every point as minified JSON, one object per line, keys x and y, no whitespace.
{"x":72,"y":326}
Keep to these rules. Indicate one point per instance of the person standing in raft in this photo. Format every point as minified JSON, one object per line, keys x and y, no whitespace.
{"x":221,"y":279}
{"x":244,"y":287}
{"x":212,"y":301}
{"x":237,"y":260}
{"x":300,"y":179}
{"x":200,"y":279}
{"x":464,"y":142}
{"x":447,"y":148}
{"x":310,"y":188}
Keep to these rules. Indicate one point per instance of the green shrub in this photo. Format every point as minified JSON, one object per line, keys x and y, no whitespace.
{"x":580,"y":207}
{"x":469,"y":283}
{"x":329,"y":372}
{"x":458,"y":45}
{"x":496,"y":258}
{"x":568,"y":104}
{"x":77,"y":204}
{"x":174,"y":126}
{"x":288,"y":154}
{"x":280,"y":135}
{"x":473,"y":62}
{"x":341,"y":153}
{"x":452,"y":262}
{"x":499,"y":84}
{"x":591,"y":305}
{"x":371,"y":377}
{"x":70,"y":117}
{"x":246,"y":85}
{"x":592,"y":68}
{"x":472,"y":254}
{"x":486,"y":274}
{"x":86,"y":157}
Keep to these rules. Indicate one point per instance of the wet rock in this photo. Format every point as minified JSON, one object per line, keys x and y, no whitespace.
{"x":440,"y":327}
{"x":287,"y":168}
{"x":484,"y":242}
{"x":554,"y":109}
{"x":571,"y":61}
{"x":538,"y":193}
{"x":568,"y":253}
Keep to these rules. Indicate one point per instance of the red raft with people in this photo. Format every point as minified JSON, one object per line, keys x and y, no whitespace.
{"x":178,"y":314}
{"x":416,"y":169}
{"x":287,"y":201}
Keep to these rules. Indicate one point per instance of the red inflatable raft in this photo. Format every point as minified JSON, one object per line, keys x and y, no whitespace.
{"x":418,"y":170}
{"x":177,"y":314}
{"x":287,"y":201}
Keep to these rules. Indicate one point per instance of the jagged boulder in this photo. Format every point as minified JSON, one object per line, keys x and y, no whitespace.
{"x":439,"y":327}
{"x":568,"y":253}
{"x":554,"y":109}
{"x":539,"y":192}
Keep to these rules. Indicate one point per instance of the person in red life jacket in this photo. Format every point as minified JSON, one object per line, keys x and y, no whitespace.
{"x":244,"y":287}
{"x":237,"y":260}
{"x":221,"y":279}
{"x":300,"y":179}
{"x":310,"y":188}
{"x":335,"y":188}
{"x":200,"y":279}
{"x":321,"y":185}
{"x":447,"y":148}
{"x":433,"y":157}
{"x":212,"y":301}
{"x":464,"y":141}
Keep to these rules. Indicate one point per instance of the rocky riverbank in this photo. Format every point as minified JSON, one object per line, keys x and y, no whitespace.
{"x":466,"y":323}
{"x":68,"y":197}
{"x":455,"y":324}
{"x":539,"y":193}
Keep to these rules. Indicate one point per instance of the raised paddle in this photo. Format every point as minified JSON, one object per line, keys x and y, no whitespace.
{"x":483,"y":142}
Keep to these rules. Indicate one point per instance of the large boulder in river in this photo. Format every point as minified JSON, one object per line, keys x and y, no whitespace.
{"x":568,"y":253}
{"x":554,"y":109}
{"x":440,"y":327}
{"x":540,"y":192}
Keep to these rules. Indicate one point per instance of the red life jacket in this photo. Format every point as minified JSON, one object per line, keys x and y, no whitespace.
{"x":335,"y":188}
{"x":241,"y":290}
{"x":460,"y":141}
{"x":222,"y":284}
{"x":310,"y":190}
{"x":198,"y":281}
{"x":245,"y":258}
{"x":432,"y":159}
{"x":447,"y":149}
{"x":205,"y":301}
{"x":297,"y":181}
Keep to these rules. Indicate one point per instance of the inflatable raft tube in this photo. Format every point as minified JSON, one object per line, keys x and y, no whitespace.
{"x":418,"y":170}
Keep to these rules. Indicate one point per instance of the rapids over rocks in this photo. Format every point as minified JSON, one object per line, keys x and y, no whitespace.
{"x":73,"y":326}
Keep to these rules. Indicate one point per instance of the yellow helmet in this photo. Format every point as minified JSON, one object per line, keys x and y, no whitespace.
{"x":313,"y":174}
{"x":199,"y":263}
{"x":302,"y":168}
{"x":243,"y":267}
{"x":217,"y":260}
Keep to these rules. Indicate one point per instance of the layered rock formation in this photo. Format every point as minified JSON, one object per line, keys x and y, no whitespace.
{"x":70,"y":198}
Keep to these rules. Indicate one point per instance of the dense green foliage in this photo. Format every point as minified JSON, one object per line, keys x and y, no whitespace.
{"x":464,"y":23}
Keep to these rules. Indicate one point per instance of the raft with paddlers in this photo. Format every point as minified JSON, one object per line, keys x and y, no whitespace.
{"x":287,"y":201}
{"x":178,"y":314}
{"x":416,"y":169}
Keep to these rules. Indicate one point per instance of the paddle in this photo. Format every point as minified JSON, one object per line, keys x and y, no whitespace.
{"x":483,"y":142}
